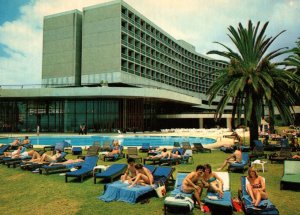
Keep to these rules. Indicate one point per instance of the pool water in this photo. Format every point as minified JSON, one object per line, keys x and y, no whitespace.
{"x":125,"y":140}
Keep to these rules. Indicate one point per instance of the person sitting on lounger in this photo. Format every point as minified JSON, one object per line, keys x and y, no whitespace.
{"x":116,"y":148}
{"x":16,"y":142}
{"x":25,"y":142}
{"x":130,"y":173}
{"x":190,"y":184}
{"x":233,"y":158}
{"x":163,"y":154}
{"x":213,"y":181}
{"x":143,"y":176}
{"x":256,"y":186}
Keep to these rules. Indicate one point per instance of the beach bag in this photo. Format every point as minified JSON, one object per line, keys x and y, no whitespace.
{"x":161,"y":190}
{"x":237,"y":204}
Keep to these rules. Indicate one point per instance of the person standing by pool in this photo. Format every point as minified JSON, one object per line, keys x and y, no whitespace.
{"x":82,"y":129}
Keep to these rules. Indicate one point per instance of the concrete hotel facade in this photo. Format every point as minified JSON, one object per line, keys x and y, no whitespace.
{"x":112,"y":68}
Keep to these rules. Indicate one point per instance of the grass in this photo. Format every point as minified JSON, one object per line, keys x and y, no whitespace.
{"x":23,"y":192}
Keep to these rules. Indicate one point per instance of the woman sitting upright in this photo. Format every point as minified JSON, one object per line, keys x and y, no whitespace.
{"x":256,"y":187}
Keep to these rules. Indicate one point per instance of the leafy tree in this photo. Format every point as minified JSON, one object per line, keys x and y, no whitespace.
{"x":252,"y":82}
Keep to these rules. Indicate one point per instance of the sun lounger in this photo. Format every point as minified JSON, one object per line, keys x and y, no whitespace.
{"x":258,"y":151}
{"x":220,"y":205}
{"x":106,"y":146}
{"x":185,"y":204}
{"x":3,"y":149}
{"x":264,"y":207}
{"x":227,"y":149}
{"x":86,"y":169}
{"x":132,"y":152}
{"x":119,"y":191}
{"x":186,"y":145}
{"x":176,"y":145}
{"x":55,"y":168}
{"x":145,"y":147}
{"x":284,"y":154}
{"x":18,"y":161}
{"x":91,"y":151}
{"x":35,"y":165}
{"x":112,"y":172}
{"x":291,"y":175}
{"x":198,"y":147}
{"x":76,"y":151}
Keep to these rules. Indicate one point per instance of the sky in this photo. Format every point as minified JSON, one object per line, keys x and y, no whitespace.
{"x":198,"y":22}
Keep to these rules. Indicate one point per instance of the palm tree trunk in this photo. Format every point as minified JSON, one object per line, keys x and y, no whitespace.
{"x":253,"y":126}
{"x":271,"y":120}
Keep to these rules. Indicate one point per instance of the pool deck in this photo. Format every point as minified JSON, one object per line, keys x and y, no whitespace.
{"x":215,"y":134}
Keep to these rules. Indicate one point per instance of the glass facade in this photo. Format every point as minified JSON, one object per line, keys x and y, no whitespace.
{"x":100,"y":115}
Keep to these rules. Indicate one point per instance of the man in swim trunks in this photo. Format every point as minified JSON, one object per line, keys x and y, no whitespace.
{"x":190,"y":184}
{"x":233,"y":158}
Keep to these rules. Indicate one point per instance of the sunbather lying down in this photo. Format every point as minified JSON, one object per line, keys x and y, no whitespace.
{"x":70,"y":161}
{"x":45,"y":158}
{"x":163,"y":154}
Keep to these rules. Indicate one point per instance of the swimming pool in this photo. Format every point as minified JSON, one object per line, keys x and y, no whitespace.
{"x":125,"y":140}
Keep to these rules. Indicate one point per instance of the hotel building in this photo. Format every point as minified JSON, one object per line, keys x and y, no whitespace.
{"x":111,"y":68}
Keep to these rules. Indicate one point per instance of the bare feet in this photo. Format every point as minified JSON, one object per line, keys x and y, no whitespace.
{"x":220,"y":194}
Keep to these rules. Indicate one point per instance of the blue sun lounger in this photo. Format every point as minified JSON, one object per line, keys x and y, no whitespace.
{"x":185,"y":203}
{"x":119,"y":191}
{"x":86,"y":169}
{"x":3,"y":149}
{"x":47,"y":169}
{"x":264,"y":207}
{"x":220,"y":205}
{"x":111,"y":172}
{"x":145,"y":147}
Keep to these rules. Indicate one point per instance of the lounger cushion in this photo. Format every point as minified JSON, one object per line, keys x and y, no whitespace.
{"x":113,"y":169}
{"x":291,"y":178}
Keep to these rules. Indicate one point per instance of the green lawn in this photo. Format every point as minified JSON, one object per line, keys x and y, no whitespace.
{"x":23,"y":192}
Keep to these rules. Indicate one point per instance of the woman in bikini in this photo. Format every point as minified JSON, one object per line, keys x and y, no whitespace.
{"x":143,"y":176}
{"x":130,"y":173}
{"x":256,"y":187}
{"x":214,"y":182}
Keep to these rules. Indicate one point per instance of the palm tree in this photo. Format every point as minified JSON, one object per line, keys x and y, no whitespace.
{"x":252,"y":82}
{"x":292,"y":62}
